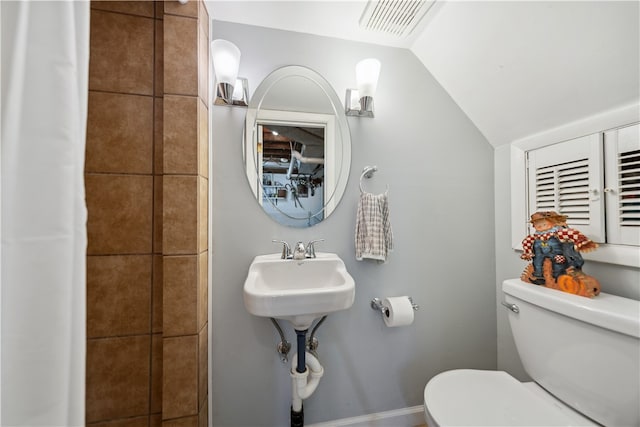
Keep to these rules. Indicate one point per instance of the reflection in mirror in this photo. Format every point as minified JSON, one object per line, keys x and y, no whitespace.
{"x":293,"y":170}
{"x":297,"y":147}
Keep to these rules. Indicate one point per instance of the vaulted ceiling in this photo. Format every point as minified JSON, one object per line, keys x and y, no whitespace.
{"x":516,"y":68}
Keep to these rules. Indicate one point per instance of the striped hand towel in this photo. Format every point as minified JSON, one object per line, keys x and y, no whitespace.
{"x":374,"y":239}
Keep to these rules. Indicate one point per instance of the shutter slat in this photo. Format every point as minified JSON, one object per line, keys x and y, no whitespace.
{"x":576,"y":203}
{"x":580,"y":177}
{"x":572,"y":193}
{"x":630,"y":163}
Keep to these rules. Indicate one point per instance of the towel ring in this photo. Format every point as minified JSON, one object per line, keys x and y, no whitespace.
{"x":368,"y":172}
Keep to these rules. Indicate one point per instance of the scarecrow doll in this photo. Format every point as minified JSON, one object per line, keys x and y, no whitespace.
{"x":554,"y":251}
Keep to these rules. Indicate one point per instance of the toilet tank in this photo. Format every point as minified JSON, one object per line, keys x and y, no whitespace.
{"x":586,"y":352}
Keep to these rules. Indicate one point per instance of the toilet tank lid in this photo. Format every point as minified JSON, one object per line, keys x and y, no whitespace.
{"x":607,"y":311}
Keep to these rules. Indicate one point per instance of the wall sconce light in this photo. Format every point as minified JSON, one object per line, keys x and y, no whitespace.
{"x":359,"y":102}
{"x":230,"y":90}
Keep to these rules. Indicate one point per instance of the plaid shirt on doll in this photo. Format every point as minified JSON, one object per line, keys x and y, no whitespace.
{"x":563,"y":234}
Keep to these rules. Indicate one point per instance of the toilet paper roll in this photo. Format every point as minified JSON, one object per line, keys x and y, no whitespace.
{"x":398,"y":311}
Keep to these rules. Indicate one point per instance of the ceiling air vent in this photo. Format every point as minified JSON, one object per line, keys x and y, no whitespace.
{"x":394,"y":17}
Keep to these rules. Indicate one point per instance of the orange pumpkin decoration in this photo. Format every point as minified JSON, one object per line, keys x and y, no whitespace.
{"x":568,"y":284}
{"x":574,"y":282}
{"x":578,"y":284}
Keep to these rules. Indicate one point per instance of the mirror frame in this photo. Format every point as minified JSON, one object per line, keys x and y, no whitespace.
{"x":338,"y":121}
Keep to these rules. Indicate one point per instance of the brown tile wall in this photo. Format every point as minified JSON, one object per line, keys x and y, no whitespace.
{"x":185,"y":209}
{"x":146,"y":189}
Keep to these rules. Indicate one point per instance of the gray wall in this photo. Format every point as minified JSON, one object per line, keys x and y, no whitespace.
{"x":440,"y":172}
{"x":616,"y":280}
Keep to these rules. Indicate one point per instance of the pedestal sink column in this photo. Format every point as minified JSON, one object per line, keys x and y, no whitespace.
{"x":297,"y":418}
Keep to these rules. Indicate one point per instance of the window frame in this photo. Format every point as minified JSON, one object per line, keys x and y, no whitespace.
{"x":608,"y":253}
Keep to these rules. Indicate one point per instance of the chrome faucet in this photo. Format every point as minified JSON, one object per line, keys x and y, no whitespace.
{"x":299,"y":251}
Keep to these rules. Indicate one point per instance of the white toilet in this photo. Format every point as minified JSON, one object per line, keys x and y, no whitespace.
{"x":583,"y":355}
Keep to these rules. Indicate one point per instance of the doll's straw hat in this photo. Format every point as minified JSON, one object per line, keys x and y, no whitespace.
{"x":551,"y":215}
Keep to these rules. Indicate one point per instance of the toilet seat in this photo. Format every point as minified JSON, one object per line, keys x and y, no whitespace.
{"x":468,"y":397}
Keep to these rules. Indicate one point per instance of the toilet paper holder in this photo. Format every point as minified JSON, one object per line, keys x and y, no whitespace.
{"x":377,"y":304}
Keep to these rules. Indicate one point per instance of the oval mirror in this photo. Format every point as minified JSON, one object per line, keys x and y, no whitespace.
{"x":297,"y":147}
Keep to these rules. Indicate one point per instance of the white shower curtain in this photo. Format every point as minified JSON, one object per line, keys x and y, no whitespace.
{"x":45,"y":59}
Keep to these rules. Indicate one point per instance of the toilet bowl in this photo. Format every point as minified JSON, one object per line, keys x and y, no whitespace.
{"x":467,"y":397}
{"x":581,"y":353}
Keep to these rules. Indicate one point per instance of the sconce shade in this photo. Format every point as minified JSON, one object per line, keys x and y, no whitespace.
{"x":359,"y":102}
{"x":367,"y":73}
{"x":226,"y":62}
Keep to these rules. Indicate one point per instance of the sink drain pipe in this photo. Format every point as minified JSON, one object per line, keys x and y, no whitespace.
{"x":306,"y":372}
{"x":301,"y":338}
{"x":304,"y":383}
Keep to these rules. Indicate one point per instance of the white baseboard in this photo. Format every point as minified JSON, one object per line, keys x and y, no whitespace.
{"x":405,"y":417}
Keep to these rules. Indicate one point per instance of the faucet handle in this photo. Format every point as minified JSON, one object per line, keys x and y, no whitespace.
{"x":286,"y":250}
{"x":311,"y":249}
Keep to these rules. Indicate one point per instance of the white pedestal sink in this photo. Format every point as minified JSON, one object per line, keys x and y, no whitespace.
{"x":299,"y":291}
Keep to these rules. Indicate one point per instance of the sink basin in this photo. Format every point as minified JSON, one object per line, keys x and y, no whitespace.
{"x":299,"y":291}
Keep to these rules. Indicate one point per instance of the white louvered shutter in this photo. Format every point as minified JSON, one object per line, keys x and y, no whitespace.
{"x":622,"y":168}
{"x":567,"y":178}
